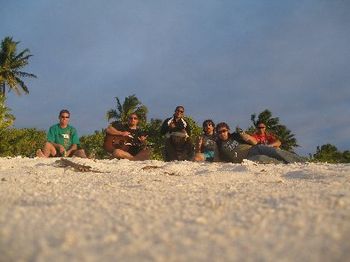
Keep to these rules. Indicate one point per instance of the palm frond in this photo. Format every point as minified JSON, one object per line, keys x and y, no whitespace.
{"x":10,"y":63}
{"x":24,"y":74}
{"x":22,"y":85}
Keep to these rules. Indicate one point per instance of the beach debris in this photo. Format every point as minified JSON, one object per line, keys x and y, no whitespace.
{"x":63,"y":162}
{"x":157,"y":167}
{"x":150,"y":167}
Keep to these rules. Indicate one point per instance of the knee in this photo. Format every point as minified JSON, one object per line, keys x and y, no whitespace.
{"x":118,"y":153}
{"x":198,"y":157}
{"x":80,"y":153}
{"x":50,"y":148}
{"x":48,"y":145}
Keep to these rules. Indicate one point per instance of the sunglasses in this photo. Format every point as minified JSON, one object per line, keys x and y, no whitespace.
{"x":222,"y":131}
{"x":180,"y":111}
{"x":261,"y":127}
{"x":131,"y":118}
{"x":64,"y":116}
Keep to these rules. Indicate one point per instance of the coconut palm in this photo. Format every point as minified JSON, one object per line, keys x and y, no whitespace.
{"x":131,"y":105}
{"x":11,"y":64}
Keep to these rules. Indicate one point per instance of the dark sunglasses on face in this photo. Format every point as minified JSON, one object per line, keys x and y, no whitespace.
{"x":131,"y":118}
{"x":64,"y":116}
{"x":222,"y":131}
{"x":180,"y":111}
{"x":261,"y":127}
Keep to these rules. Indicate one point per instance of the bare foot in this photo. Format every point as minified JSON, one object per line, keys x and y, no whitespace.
{"x":143,"y":155}
{"x":40,"y":153}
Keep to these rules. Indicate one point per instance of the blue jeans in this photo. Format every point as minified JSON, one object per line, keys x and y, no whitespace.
{"x":267,"y":154}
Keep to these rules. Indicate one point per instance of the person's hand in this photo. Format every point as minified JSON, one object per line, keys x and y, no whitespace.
{"x":143,"y":139}
{"x":67,"y":153}
{"x":62,"y":150}
{"x":126,"y":133}
{"x":172,"y":124}
{"x":239,"y":130}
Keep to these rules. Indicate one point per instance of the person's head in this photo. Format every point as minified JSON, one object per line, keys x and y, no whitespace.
{"x":63,"y":117}
{"x":223,"y":131}
{"x":179,"y":112}
{"x":261,"y":127}
{"x":208,"y":126}
{"x":133,"y":120}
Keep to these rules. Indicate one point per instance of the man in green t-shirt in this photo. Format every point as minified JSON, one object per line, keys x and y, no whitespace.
{"x":62,"y":139}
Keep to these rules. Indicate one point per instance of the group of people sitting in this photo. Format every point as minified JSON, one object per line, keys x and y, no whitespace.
{"x":217,"y":143}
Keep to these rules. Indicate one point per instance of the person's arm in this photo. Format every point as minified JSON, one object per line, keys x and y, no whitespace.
{"x":188,"y":129}
{"x":115,"y":132}
{"x":248,"y":138}
{"x":72,"y":148}
{"x":199,"y":143}
{"x":217,"y":153}
{"x":165,"y":127}
{"x":74,"y":142}
{"x":60,"y":148}
{"x":51,"y":138}
{"x":274,"y":141}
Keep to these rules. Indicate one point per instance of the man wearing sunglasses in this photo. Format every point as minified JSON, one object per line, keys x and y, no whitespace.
{"x":130,"y":141}
{"x":239,"y":145}
{"x":62,"y":139}
{"x":178,"y":145}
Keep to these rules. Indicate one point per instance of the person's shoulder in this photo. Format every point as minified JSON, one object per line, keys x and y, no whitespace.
{"x":117,"y":124}
{"x":255,"y":135}
{"x":167,"y":119}
{"x":234,"y":135}
{"x":71,"y":128}
{"x":54,"y":126}
{"x":209,"y":137}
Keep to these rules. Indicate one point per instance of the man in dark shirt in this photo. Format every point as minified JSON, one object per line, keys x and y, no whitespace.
{"x":233,"y":147}
{"x":178,"y":145}
{"x":239,"y":145}
{"x":131,"y":140}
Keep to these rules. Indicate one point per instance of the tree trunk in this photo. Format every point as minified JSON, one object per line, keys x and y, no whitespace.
{"x":3,"y":89}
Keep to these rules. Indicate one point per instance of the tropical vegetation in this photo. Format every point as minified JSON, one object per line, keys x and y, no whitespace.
{"x":130,"y":105}
{"x":273,"y":125}
{"x":25,"y":142}
{"x":12,"y":63}
{"x":330,"y":154}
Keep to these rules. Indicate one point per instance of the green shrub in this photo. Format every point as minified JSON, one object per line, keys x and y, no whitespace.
{"x":93,"y":145}
{"x":21,"y":142}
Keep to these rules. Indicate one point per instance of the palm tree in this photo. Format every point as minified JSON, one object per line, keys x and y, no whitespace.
{"x":11,"y":64}
{"x":131,"y":105}
{"x":286,"y":137}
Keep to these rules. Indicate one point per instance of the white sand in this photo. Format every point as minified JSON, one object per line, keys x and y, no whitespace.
{"x":181,"y":212}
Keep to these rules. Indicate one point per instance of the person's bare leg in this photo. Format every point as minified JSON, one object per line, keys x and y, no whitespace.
{"x":79,"y":153}
{"x":47,"y":151}
{"x":144,"y":154}
{"x":121,"y":154}
{"x":199,"y":157}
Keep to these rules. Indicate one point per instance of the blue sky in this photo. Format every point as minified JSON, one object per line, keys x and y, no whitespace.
{"x":223,"y":60}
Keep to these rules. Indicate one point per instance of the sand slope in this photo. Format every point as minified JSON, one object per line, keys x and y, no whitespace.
{"x":181,"y":211}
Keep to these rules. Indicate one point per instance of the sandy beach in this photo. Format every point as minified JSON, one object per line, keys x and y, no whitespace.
{"x":177,"y":211}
